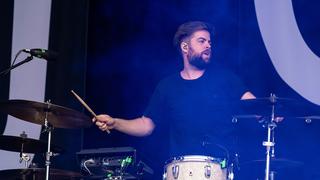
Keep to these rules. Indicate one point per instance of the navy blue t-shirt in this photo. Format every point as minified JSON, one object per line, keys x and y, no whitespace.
{"x":197,"y":113}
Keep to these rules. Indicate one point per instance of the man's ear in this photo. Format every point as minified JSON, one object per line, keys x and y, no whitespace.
{"x":184,"y":47}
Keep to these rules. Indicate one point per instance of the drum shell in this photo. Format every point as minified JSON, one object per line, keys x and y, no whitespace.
{"x":194,"y":167}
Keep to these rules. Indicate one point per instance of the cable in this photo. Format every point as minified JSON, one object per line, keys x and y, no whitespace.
{"x":85,"y":166}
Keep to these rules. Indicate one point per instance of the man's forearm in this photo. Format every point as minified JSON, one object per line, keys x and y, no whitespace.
{"x":142,"y":126}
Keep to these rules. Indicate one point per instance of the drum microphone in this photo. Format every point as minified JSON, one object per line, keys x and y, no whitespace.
{"x":42,"y":53}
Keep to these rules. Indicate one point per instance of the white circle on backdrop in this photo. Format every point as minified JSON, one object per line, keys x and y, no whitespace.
{"x":294,"y":61}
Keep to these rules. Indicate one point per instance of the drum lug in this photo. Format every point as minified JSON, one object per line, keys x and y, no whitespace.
{"x":175,"y":171}
{"x":207,"y":171}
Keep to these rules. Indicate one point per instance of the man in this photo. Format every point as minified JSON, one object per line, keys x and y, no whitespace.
{"x":189,"y":103}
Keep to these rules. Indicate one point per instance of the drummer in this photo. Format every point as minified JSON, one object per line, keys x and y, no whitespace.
{"x":192,"y":102}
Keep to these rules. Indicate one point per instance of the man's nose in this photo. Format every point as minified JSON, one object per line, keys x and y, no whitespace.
{"x":208,"y":45}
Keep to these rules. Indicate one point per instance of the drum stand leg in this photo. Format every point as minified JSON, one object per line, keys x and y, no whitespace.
{"x":48,"y":129}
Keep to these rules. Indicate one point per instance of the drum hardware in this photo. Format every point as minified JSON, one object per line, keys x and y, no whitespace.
{"x":48,"y":128}
{"x":270,"y":124}
{"x":207,"y":171}
{"x":175,"y":171}
{"x":260,"y":108}
{"x":46,"y":114}
{"x":270,"y":143}
{"x":23,"y":156}
{"x":25,"y":145}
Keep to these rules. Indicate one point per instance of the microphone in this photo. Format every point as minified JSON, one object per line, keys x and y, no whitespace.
{"x":42,"y":53}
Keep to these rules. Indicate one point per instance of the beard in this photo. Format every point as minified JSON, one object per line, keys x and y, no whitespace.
{"x":198,"y":61}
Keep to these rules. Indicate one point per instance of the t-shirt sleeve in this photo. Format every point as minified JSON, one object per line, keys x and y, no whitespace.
{"x":156,"y":107}
{"x":235,"y":85}
{"x":238,"y":85}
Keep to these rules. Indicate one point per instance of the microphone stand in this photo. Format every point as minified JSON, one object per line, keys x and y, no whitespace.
{"x":6,"y":71}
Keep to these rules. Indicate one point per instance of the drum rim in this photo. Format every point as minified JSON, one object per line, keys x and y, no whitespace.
{"x":193,"y":158}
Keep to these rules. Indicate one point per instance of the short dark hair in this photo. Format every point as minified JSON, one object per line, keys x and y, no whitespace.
{"x":187,"y":29}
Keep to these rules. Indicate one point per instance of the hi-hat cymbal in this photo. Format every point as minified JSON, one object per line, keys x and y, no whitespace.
{"x":281,"y":107}
{"x":37,"y":174}
{"x":36,"y":112}
{"x":13,"y":143}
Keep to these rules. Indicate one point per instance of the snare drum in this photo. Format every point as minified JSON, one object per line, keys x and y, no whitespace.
{"x":195,"y":167}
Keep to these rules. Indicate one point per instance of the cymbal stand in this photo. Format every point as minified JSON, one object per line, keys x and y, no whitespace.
{"x":270,"y":144}
{"x":48,"y":129}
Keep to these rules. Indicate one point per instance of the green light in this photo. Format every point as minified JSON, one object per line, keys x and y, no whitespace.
{"x":223,"y":164}
{"x":129,"y":160}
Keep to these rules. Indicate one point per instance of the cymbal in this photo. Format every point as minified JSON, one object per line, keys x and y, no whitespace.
{"x":37,"y":174}
{"x":275,"y":163}
{"x":280,"y":168}
{"x":283,"y":107}
{"x":14,"y":143}
{"x":309,"y":119}
{"x":35,"y":112}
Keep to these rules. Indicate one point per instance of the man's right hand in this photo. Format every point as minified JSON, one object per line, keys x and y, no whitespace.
{"x":104,"y":122}
{"x":141,"y":126}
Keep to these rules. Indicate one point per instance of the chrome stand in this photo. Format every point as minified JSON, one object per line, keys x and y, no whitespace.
{"x":48,"y":129}
{"x":269,"y":144}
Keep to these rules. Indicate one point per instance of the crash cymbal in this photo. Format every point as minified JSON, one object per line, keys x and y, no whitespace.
{"x":35,"y":112}
{"x":13,"y":143}
{"x":275,"y":163}
{"x":37,"y":174}
{"x":283,"y":107}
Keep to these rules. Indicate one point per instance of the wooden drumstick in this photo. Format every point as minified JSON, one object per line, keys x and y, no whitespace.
{"x":86,"y":106}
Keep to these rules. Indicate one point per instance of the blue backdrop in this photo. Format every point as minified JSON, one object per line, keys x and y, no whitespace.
{"x":130,"y":50}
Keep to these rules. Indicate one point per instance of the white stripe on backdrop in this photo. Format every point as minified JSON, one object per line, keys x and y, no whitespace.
{"x":31,"y":23}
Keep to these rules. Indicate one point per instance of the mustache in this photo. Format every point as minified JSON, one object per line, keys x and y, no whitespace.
{"x":207,"y":51}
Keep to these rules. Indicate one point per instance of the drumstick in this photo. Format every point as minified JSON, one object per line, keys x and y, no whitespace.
{"x":86,"y":106}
